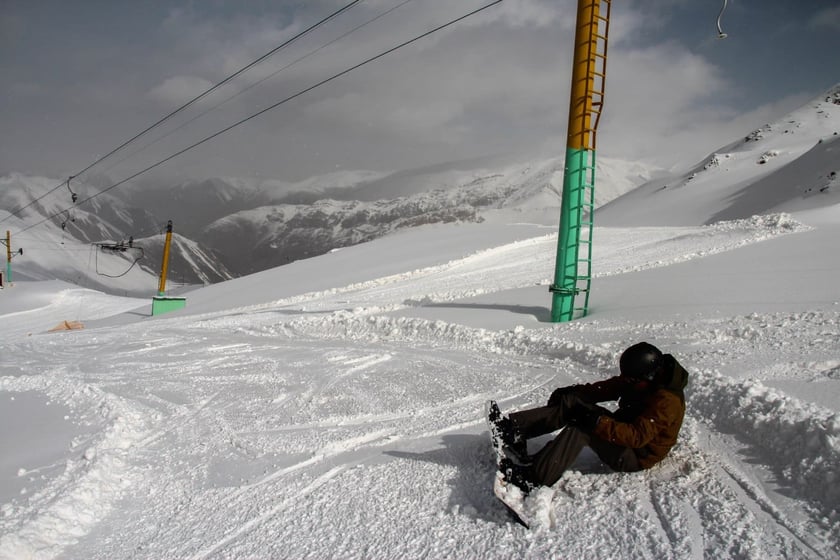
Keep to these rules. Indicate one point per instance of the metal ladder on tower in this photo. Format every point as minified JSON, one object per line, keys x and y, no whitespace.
{"x":584,"y":205}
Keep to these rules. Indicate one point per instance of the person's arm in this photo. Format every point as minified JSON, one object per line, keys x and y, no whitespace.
{"x":603,"y":391}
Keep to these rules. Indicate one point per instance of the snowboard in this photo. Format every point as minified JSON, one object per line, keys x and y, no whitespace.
{"x":508,"y":493}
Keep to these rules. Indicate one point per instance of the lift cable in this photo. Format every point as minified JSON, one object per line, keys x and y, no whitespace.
{"x":255,"y":84}
{"x":274,"y":106}
{"x":137,"y":252}
{"x":184,"y":106}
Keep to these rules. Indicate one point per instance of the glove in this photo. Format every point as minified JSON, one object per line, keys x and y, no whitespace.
{"x":584,"y":417}
{"x":558,"y":394}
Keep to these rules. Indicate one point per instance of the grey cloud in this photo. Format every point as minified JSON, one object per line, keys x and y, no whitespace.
{"x":495,"y":83}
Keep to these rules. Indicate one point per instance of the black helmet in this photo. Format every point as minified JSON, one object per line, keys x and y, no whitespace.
{"x":641,"y":361}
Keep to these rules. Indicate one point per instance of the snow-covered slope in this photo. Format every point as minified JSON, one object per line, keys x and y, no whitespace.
{"x":790,"y":164}
{"x":333,"y":407}
{"x":63,"y":241}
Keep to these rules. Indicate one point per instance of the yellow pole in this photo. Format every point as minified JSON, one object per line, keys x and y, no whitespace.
{"x":9,"y":257}
{"x":165,"y":265}
{"x":583,"y":79}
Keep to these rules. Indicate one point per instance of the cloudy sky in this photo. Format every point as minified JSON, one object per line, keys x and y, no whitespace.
{"x":80,"y":77}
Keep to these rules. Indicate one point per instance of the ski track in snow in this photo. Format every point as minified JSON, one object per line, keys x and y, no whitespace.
{"x":230,"y":447}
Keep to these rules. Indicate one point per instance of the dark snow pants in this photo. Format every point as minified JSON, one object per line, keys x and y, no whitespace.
{"x":552,"y":460}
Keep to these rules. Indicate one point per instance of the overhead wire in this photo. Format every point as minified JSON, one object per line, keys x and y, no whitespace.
{"x":275,"y":105}
{"x":136,"y":260}
{"x":266,"y":78}
{"x":184,"y":106}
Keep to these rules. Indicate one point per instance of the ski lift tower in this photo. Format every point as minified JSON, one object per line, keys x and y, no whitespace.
{"x":573,"y":269}
{"x":162,"y":303}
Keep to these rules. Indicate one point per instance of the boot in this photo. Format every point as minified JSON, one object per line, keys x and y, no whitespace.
{"x":515,"y":443}
{"x":516,"y":475}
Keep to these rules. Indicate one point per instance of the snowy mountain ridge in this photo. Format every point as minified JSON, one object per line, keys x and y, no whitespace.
{"x":234,"y":227}
{"x":66,"y":247}
{"x":789,"y":164}
{"x":281,"y":233}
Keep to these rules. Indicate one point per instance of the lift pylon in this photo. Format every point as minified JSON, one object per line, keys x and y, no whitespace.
{"x":573,"y":269}
{"x":162,"y":303}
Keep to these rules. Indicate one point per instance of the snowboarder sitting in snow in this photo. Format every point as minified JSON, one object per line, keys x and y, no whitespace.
{"x":636,"y":436}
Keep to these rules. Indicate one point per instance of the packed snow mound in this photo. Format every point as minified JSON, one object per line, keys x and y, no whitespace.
{"x":804,"y":438}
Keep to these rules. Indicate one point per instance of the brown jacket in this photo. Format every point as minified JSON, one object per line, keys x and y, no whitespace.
{"x":647,"y":421}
